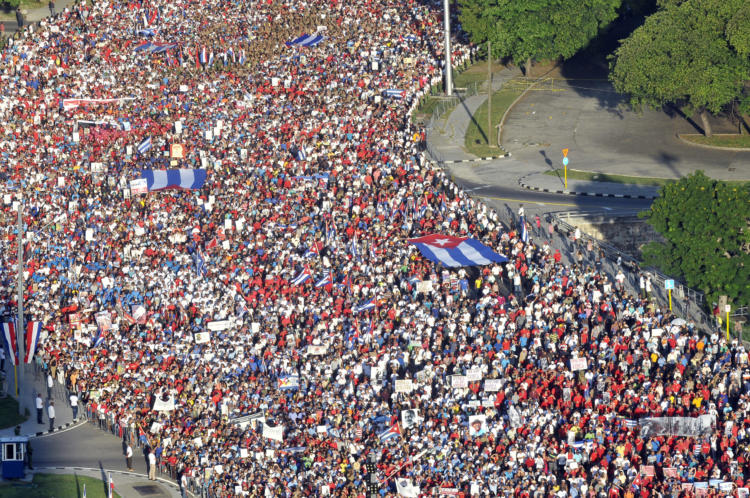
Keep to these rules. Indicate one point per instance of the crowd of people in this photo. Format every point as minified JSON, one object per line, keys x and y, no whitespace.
{"x":272,"y":333}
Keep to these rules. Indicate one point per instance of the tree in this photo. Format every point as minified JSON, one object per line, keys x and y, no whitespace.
{"x":706,"y":227}
{"x":681,"y":55}
{"x":527,"y":30}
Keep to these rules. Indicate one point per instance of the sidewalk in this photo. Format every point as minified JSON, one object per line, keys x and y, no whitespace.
{"x":35,"y":15}
{"x":35,"y":382}
{"x":556,"y":184}
{"x":447,"y":136}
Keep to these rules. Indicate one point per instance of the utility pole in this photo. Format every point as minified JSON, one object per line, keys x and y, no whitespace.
{"x":21,"y":345}
{"x":447,"y":29}
{"x":489,"y":92}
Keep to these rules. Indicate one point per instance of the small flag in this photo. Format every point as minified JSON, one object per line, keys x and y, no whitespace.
{"x":394,"y":431}
{"x":84,"y":490}
{"x":346,"y":283}
{"x":367,"y":305}
{"x":314,"y":249}
{"x":302,"y":277}
{"x":290,"y":382}
{"x":111,"y":493}
{"x":144,"y":146}
{"x":524,"y":232}
{"x":203,"y":56}
{"x":325,"y":281}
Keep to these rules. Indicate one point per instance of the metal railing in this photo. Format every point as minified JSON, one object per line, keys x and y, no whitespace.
{"x":561,"y":220}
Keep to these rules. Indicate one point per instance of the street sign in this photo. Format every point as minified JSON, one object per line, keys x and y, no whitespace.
{"x":565,"y":152}
{"x":668,"y":284}
{"x":727,"y":308}
{"x":565,"y":161}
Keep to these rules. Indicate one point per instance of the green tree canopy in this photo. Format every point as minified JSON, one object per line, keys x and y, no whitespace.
{"x":707,"y":237}
{"x":527,"y":30}
{"x":682,"y":55}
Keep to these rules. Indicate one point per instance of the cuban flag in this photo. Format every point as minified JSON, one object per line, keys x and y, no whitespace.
{"x":84,"y":490}
{"x":145,"y":46}
{"x":394,"y":431}
{"x":454,"y":252}
{"x":211,"y":58}
{"x":367,"y":305}
{"x":144,"y":146}
{"x":302,"y":277}
{"x":306,"y":40}
{"x":524,"y":231}
{"x":9,"y":341}
{"x":289,"y":382}
{"x":33,"y":330}
{"x":346,"y":283}
{"x":301,"y":154}
{"x":158,"y":179}
{"x":314,"y":249}
{"x":204,"y":56}
{"x":242,"y":56}
{"x":326,"y":281}
{"x":111,"y":491}
{"x":98,"y":339}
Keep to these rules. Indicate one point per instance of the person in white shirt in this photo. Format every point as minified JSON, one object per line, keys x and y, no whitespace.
{"x":51,"y":414}
{"x":39,"y":409}
{"x":74,"y":405}
{"x":151,"y":465}
{"x":129,"y":457}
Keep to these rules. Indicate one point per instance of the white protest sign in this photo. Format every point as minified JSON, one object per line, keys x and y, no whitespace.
{"x":202,"y":337}
{"x":459,"y":382}
{"x":275,"y":433}
{"x":138,"y":186}
{"x":474,"y":374}
{"x":403,"y":386}
{"x":493,"y":385}
{"x":578,"y":364}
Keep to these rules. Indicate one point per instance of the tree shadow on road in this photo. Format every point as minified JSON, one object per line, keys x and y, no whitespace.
{"x":669,"y":160}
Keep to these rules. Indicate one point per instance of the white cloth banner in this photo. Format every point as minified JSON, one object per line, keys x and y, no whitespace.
{"x":275,"y":433}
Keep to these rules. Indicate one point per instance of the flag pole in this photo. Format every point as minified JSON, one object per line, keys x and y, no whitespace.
{"x":20,"y":346}
{"x":447,"y":64}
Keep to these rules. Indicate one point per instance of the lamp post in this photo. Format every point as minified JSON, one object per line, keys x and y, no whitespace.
{"x":447,"y":64}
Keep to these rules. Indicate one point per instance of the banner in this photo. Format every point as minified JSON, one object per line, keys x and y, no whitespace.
{"x":217,"y":325}
{"x":177,"y":151}
{"x":138,"y":186}
{"x":578,"y":364}
{"x":275,"y":433}
{"x":246,"y":420}
{"x":202,"y":337}
{"x":474,"y":374}
{"x":316,"y":350}
{"x":409,"y":418}
{"x":424,"y":286}
{"x":459,"y":382}
{"x":477,"y":425}
{"x":493,"y":385}
{"x":403,"y":386}
{"x":104,"y":321}
{"x":161,"y":405}
{"x":677,"y":426}
{"x":406,"y":488}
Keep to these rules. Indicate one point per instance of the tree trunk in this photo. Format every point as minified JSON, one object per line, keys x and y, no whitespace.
{"x":527,"y":68}
{"x":706,"y":124}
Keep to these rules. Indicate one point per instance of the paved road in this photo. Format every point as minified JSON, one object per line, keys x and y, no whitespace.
{"x":88,"y":447}
{"x":603,"y":135}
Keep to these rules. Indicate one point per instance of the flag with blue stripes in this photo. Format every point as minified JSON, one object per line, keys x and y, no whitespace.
{"x":326,"y":280}
{"x":524,"y":231}
{"x":394,"y":431}
{"x":302,"y":277}
{"x":454,"y":252}
{"x":306,"y":40}
{"x":366,"y":305}
{"x":144,"y":146}
{"x":157,"y":179}
{"x":395,"y":93}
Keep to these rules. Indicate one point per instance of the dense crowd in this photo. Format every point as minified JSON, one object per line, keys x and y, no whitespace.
{"x":313,"y":168}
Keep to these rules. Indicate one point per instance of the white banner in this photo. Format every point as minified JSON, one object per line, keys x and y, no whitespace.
{"x":104,"y":320}
{"x":424,"y":286}
{"x":161,"y":405}
{"x":275,"y":433}
{"x":459,"y":382}
{"x":578,"y":364}
{"x":403,"y":386}
{"x":474,"y":374}
{"x":493,"y":385}
{"x":218,"y":325}
{"x":202,"y":337}
{"x":316,"y":350}
{"x":406,"y":488}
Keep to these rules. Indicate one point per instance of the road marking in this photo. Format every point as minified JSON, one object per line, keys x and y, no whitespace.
{"x":477,"y":188}
{"x":607,"y":208}
{"x":60,"y":431}
{"x":569,"y":204}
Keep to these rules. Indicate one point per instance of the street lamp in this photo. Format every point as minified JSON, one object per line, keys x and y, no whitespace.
{"x":20,"y":342}
{"x":447,"y":29}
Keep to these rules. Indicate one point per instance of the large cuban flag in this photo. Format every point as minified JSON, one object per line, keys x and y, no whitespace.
{"x":33,"y":330}
{"x":306,"y":40}
{"x":9,"y":341}
{"x":158,"y":179}
{"x":456,"y":251}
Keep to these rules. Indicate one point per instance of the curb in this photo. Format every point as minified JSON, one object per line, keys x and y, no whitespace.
{"x":587,"y":194}
{"x":479,"y":159}
{"x":69,"y":425}
{"x":122,"y":472}
{"x":684,"y":140}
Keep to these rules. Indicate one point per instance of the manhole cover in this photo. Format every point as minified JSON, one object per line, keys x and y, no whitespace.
{"x":146,"y":490}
